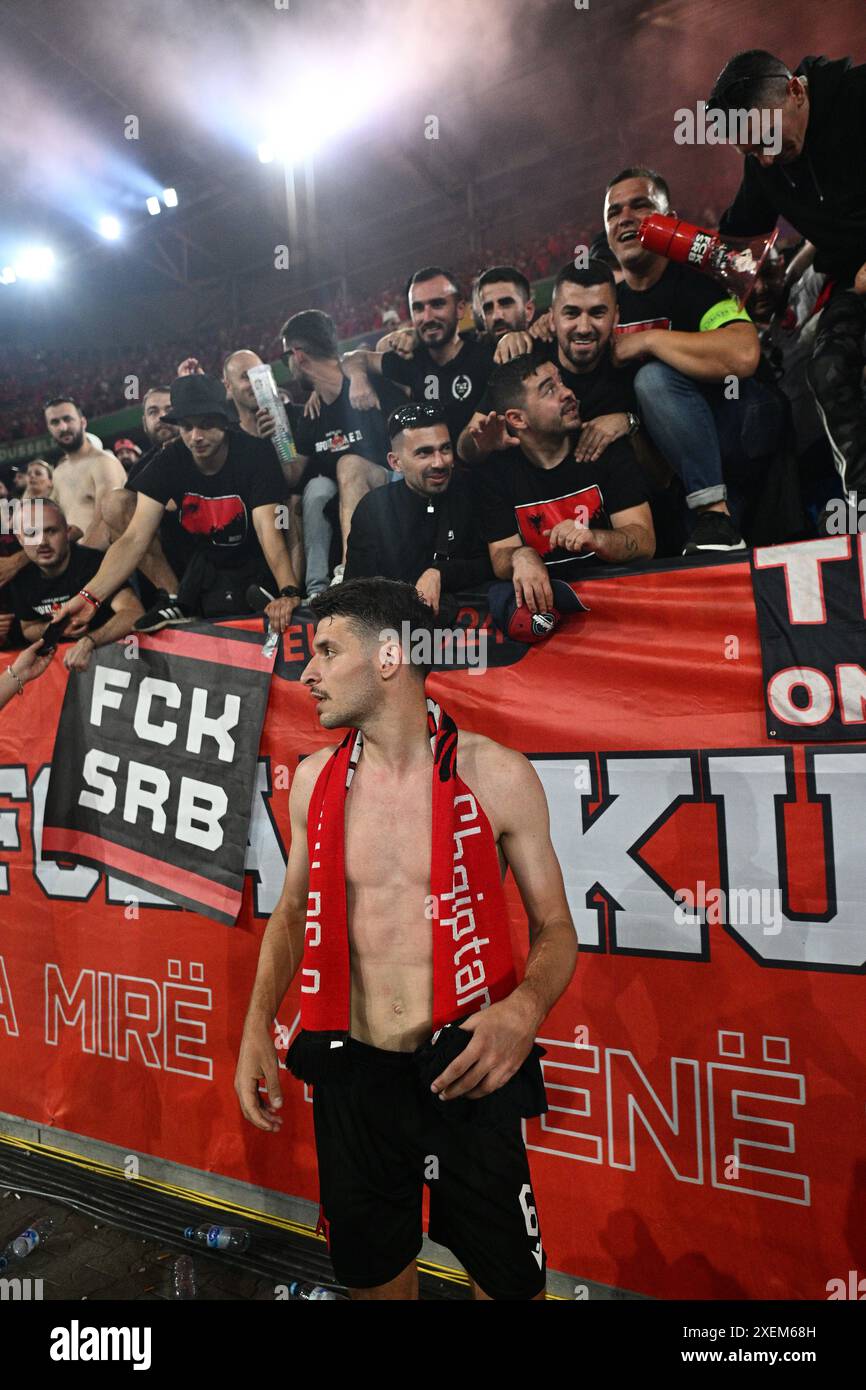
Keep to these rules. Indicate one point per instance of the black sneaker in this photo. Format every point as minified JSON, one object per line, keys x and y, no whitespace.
{"x":170,"y":613}
{"x":713,"y":531}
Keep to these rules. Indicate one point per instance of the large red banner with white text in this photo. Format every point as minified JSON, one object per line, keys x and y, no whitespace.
{"x":706,"y":1070}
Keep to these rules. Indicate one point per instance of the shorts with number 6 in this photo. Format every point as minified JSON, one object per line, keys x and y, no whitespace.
{"x":379,"y":1138}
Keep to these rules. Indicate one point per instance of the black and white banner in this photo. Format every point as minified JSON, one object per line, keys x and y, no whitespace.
{"x":810,"y":598}
{"x":154,"y":764}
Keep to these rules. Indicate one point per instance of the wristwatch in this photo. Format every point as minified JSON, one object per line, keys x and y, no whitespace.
{"x":633,"y":422}
{"x":291,"y":591}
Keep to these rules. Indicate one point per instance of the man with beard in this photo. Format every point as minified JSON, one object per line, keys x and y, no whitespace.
{"x":544,"y":514}
{"x":84,"y":475}
{"x":128,"y":452}
{"x":344,"y":449}
{"x":446,"y":367}
{"x":166,"y":556}
{"x":502,"y":301}
{"x":583,"y":315}
{"x":425,"y":529}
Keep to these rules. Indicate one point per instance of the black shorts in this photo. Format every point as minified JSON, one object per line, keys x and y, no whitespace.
{"x":379,"y":1137}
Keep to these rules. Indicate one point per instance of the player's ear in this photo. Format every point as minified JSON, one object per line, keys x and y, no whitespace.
{"x":394,"y":463}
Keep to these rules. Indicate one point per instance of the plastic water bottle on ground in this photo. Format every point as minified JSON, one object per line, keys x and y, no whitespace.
{"x":219,"y":1237}
{"x":26,"y":1243}
{"x":313,"y":1292}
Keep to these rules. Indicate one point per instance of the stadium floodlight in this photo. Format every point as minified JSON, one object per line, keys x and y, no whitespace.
{"x":109,"y":227}
{"x":153,"y":206}
{"x":35,"y":263}
{"x":266,"y":154}
{"x":7,"y":275}
{"x":169,"y":197}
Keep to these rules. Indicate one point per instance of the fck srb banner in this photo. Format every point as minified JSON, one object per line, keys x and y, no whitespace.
{"x":811,"y":603}
{"x":154,"y":765}
{"x":706,"y":1068}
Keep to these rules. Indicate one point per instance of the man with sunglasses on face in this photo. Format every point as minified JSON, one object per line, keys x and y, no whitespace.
{"x":813,"y":175}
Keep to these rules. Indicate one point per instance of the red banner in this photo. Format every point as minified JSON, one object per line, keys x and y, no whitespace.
{"x":706,"y":1070}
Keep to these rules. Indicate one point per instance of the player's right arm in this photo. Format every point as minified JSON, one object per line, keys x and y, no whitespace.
{"x":280,"y":956}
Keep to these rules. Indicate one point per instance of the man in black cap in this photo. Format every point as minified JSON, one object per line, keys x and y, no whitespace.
{"x":230,"y":496}
{"x":815,"y":177}
{"x":425,"y":529}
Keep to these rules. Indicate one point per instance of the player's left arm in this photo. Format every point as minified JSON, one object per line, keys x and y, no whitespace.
{"x":504,"y":1033}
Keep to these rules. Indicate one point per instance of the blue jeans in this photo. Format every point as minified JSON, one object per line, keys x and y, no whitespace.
{"x":704,"y":437}
{"x":317,"y":532}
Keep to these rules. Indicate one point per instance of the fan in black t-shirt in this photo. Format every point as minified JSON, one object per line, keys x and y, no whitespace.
{"x":446,"y":368}
{"x":229,"y":491}
{"x":541,"y":508}
{"x":340,"y":428}
{"x":58,"y":569}
{"x":581,"y":319}
{"x":217,"y":508}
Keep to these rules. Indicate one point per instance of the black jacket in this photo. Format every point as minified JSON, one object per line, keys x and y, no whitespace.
{"x":823,"y":192}
{"x":398,"y":534}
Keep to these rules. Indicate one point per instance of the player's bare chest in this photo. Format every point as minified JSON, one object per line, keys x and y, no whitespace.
{"x":388,"y":829}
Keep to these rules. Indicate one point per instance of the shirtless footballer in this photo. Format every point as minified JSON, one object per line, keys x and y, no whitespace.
{"x":372,"y":804}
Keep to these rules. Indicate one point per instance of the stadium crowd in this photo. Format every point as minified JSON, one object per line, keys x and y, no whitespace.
{"x":646,"y":413}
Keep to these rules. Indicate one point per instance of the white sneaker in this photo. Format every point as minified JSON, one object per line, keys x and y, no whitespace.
{"x":338,"y":575}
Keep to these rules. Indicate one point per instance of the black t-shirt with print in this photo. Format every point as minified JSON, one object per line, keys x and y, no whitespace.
{"x":218,"y":507}
{"x":679,"y":300}
{"x":341,"y":429}
{"x":518,"y":498}
{"x":457,"y":386}
{"x":35,"y":595}
{"x":606,"y":390}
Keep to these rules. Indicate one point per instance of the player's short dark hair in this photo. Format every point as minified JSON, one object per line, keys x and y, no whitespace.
{"x":506,"y":385}
{"x":376,"y":606}
{"x":751,"y":79}
{"x":313,"y":331}
{"x":642,"y":171}
{"x":62,"y":400}
{"x":497,"y":274}
{"x":429,"y":272}
{"x":596,"y":272}
{"x":414,"y":415}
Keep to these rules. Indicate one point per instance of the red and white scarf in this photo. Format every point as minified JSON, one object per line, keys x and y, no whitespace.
{"x":473,"y":963}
